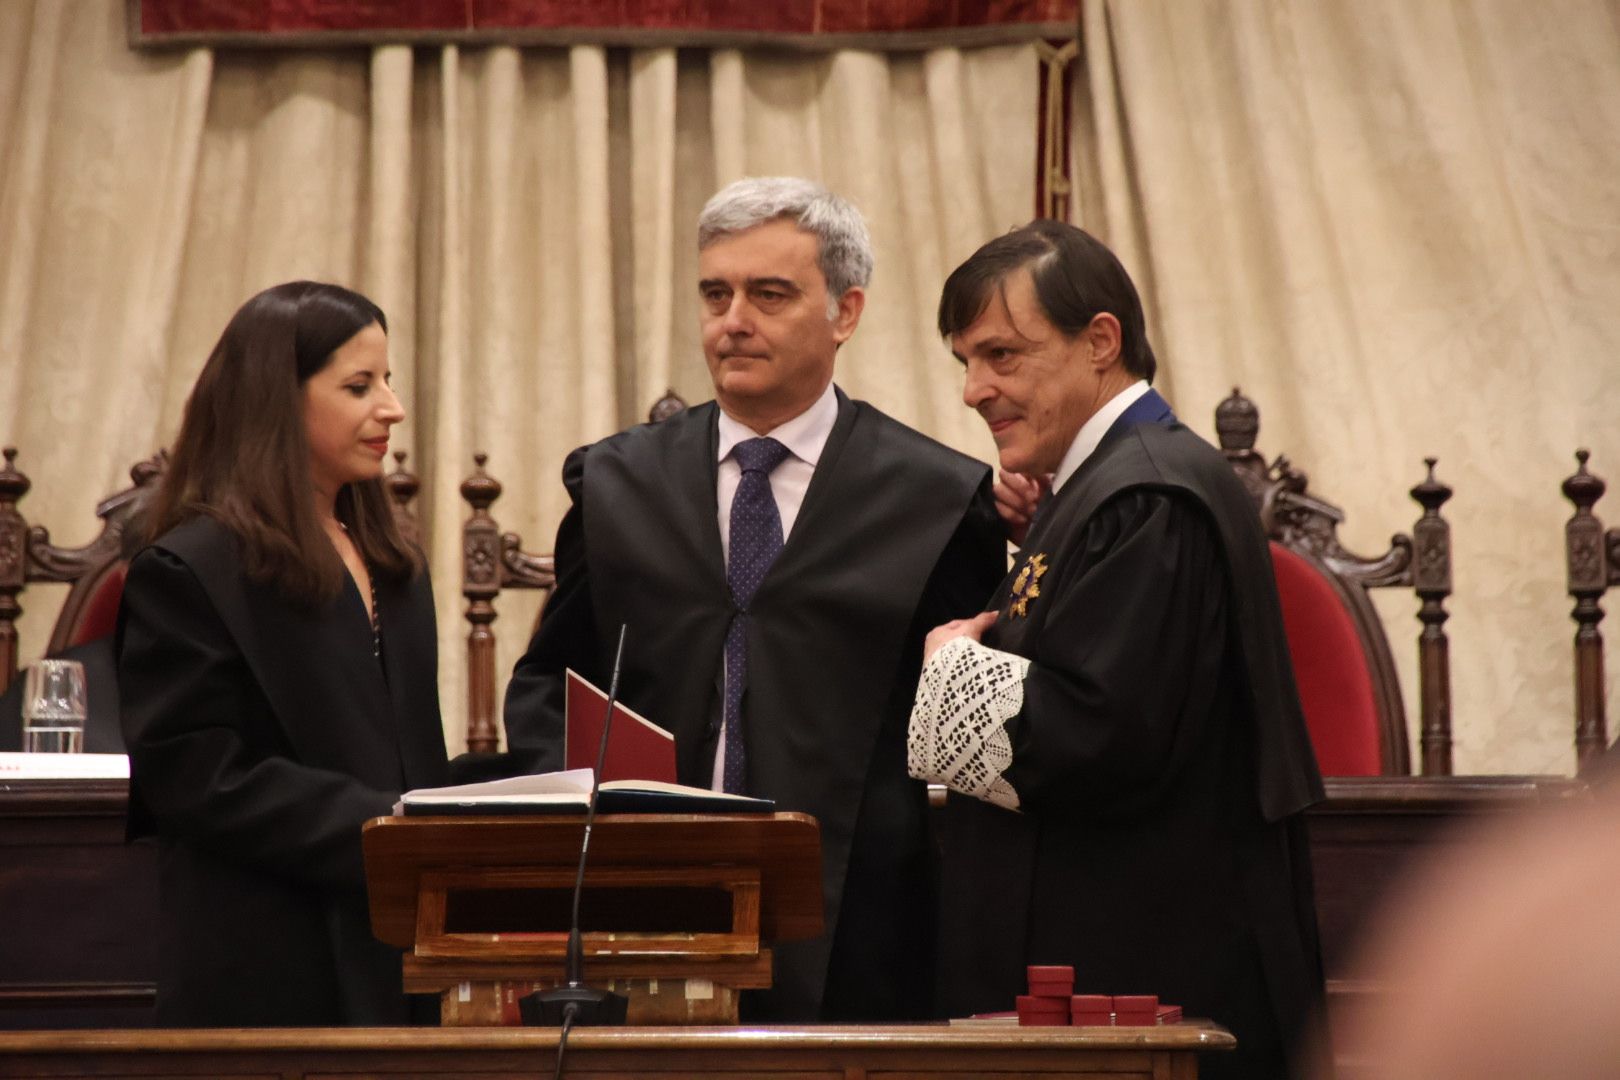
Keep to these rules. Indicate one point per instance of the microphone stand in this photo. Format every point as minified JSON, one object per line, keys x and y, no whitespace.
{"x":574,"y":1003}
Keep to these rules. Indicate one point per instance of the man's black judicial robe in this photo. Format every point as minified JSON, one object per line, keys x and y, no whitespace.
{"x":896,"y":534}
{"x":261,"y":737}
{"x":1160,"y":759}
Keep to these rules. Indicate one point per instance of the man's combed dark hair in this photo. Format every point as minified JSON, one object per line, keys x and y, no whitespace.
{"x":1076,"y":279}
{"x":242,"y":456}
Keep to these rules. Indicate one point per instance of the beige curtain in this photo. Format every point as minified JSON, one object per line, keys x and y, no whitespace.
{"x":1397,"y":226}
{"x":524,"y":216}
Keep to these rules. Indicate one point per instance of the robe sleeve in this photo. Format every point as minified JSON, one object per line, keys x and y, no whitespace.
{"x":199,"y":774}
{"x":971,"y":566}
{"x":566,"y":638}
{"x":1120,"y":674}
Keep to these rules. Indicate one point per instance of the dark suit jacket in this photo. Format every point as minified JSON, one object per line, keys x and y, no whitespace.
{"x":896,"y":534}
{"x":1160,"y":758}
{"x":261,"y":737}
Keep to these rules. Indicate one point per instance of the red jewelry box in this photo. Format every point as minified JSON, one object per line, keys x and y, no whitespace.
{"x":1050,"y":980}
{"x":1091,"y":1010}
{"x":1042,"y":1011}
{"x":1136,"y":1010}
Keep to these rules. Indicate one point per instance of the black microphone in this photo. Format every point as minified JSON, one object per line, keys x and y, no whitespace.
{"x":574,"y":1003}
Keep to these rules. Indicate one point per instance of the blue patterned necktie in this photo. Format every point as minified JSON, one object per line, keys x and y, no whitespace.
{"x":756,"y":541}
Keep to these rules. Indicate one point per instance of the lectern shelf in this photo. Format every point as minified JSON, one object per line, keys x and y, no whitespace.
{"x":481,"y":905}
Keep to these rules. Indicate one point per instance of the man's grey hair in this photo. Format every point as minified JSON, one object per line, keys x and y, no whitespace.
{"x":844,"y":246}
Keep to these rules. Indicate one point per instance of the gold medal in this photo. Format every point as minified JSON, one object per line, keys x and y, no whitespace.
{"x":1027,"y":585}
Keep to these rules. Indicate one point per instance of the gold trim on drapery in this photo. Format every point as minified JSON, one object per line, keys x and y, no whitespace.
{"x":1054,"y":186}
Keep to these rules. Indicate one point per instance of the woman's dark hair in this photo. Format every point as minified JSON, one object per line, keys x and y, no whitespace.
{"x":242,"y":456}
{"x":1076,"y":279}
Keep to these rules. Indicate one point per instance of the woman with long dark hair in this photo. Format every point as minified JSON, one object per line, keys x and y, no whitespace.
{"x":277,"y":668}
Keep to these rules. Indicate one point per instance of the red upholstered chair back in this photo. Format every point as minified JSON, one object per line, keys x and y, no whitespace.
{"x":99,"y":614}
{"x":1342,"y":664}
{"x":1336,"y":682}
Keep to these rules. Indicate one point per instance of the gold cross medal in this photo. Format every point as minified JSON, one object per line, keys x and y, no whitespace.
{"x":1027,"y":585}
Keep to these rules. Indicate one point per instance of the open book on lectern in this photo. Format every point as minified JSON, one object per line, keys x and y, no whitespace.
{"x":569,"y":792}
{"x":638,"y":775}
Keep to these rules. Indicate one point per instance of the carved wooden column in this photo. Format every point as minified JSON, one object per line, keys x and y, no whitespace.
{"x":1593,"y":562}
{"x":13,"y":547}
{"x":480,"y":582}
{"x":1431,"y":579}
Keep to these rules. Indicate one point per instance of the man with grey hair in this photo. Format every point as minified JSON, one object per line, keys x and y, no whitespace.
{"x":778,"y":555}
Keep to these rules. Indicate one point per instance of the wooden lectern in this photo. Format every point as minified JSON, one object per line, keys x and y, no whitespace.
{"x":677,"y":910}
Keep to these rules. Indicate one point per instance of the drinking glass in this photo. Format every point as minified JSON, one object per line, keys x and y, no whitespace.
{"x":53,"y":707}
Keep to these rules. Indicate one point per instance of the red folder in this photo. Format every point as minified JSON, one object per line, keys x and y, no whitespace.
{"x":638,"y":749}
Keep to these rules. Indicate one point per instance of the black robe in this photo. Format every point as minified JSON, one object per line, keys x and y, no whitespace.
{"x":1160,"y":759}
{"x":896,"y":534}
{"x":261,"y":737}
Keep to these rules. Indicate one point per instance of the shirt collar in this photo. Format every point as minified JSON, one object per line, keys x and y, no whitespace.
{"x":1092,"y":431}
{"x":805,"y":435}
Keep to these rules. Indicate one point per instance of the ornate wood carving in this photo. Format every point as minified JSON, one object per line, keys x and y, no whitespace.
{"x":480,"y":581}
{"x":13,"y":532}
{"x":1308,"y":525}
{"x":27,"y":554}
{"x":521,"y":570}
{"x":1431,"y":577}
{"x":1592,"y":562}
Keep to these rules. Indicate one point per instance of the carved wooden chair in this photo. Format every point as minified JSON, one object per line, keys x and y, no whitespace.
{"x":95,"y":573}
{"x":1592,"y":559}
{"x":491,"y":561}
{"x":1342,"y":662}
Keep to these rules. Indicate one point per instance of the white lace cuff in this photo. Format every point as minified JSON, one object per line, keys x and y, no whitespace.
{"x":958,"y":734}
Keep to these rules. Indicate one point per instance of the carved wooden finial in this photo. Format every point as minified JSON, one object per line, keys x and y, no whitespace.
{"x":480,"y":489}
{"x":1237,"y":422}
{"x":13,"y":484}
{"x":1583,"y":488}
{"x":1431,"y":536}
{"x":1431,"y":494}
{"x":402,"y":484}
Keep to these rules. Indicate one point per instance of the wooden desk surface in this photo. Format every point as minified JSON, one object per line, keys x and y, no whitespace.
{"x":78,"y":906}
{"x":836,"y":1052}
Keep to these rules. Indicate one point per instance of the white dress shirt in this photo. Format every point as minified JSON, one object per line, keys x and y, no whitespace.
{"x":1092,"y":431}
{"x":805,"y":436}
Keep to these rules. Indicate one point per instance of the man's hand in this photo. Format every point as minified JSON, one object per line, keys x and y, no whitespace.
{"x":969,"y":628}
{"x":1017,"y":498}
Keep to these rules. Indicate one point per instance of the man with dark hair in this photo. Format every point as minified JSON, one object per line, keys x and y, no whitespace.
{"x":1121,"y":731}
{"x":778,"y":555}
